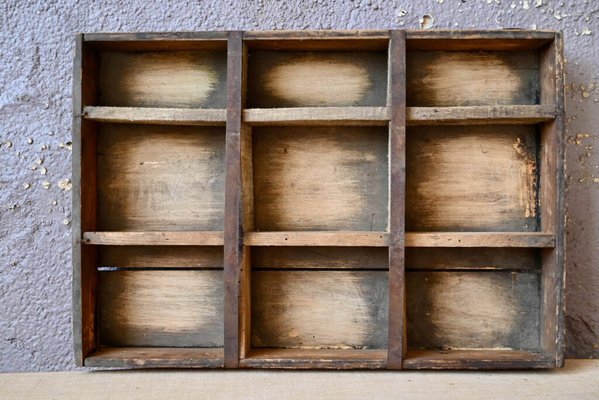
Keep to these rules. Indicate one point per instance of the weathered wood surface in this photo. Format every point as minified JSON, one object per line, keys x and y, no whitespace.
{"x":337,"y":238}
{"x":471,"y":178}
{"x":315,"y":359}
{"x":369,"y":258}
{"x":483,"y":258}
{"x":322,"y":178}
{"x":472,"y":310}
{"x":204,"y":257}
{"x":319,"y":309}
{"x":233,"y":249}
{"x":194,"y":238}
{"x":476,"y":359}
{"x":480,"y":115}
{"x":156,"y":116}
{"x":185,"y":79}
{"x":160,"y":178}
{"x":155,"y":357}
{"x":306,"y":116}
{"x":161,"y":308}
{"x":310,"y":79}
{"x":480,"y":239}
{"x":444,"y":79}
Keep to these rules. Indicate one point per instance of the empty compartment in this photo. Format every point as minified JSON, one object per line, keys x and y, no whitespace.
{"x":472,"y":78}
{"x":485,"y":298}
{"x":472,"y":178}
{"x":319,"y":298}
{"x":160,"y":178}
{"x":320,"y":178}
{"x":183,"y":79}
{"x":160,"y":296}
{"x":316,"y":78}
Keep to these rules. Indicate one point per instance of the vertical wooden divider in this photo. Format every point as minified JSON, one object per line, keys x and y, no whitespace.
{"x":397,"y":166}
{"x":233,"y":246}
{"x":84,"y":179}
{"x":552,"y":198}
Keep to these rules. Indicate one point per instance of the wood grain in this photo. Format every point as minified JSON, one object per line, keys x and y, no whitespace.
{"x":466,"y":178}
{"x":475,"y":359}
{"x":161,"y":178}
{"x":480,"y":115}
{"x":311,"y":79}
{"x":306,"y":116}
{"x":84,"y":202}
{"x":186,"y":79}
{"x":315,"y":359}
{"x":397,"y":344}
{"x":194,"y":238}
{"x":336,"y":238}
{"x":473,"y":310}
{"x":320,"y":258}
{"x":484,"y":258}
{"x":440,"y":79}
{"x":233,"y":225}
{"x":324,"y":178}
{"x":205,"y":257}
{"x":161,"y":308}
{"x":156,"y":116}
{"x":153,"y":357}
{"x":319,"y":309}
{"x":480,"y":239}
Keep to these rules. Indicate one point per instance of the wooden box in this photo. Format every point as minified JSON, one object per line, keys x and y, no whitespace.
{"x":364,"y":199}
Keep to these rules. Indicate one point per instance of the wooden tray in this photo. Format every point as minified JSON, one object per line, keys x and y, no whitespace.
{"x":326,"y":199}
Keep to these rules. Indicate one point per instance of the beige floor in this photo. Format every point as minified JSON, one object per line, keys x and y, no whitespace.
{"x":578,"y":380}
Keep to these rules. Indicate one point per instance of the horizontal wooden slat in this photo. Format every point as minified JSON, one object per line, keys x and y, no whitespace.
{"x":206,"y":238}
{"x":366,"y":239}
{"x":155,"y":357}
{"x":480,"y":239}
{"x":476,"y":359}
{"x":523,"y":114}
{"x":478,"y":115}
{"x":317,"y":116}
{"x":413,"y":239}
{"x":315,"y":358}
{"x":163,"y":116}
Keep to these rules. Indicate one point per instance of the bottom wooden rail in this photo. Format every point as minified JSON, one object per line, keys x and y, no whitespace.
{"x":476,"y":359}
{"x":155,"y":357}
{"x":315,"y":359}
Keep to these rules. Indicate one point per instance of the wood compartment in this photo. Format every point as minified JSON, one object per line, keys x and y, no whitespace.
{"x":320,"y":178}
{"x":288,"y":76}
{"x":318,"y":305}
{"x":153,"y":300}
{"x":472,"y":78}
{"x":472,"y":178}
{"x":485,"y":300}
{"x":182,"y":78}
{"x":160,"y":178}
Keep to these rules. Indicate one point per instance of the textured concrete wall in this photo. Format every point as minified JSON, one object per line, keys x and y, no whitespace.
{"x":36,"y":49}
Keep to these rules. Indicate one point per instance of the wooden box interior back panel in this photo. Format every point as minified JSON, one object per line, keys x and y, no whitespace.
{"x":474,"y":78}
{"x":312,"y":79}
{"x":160,"y":178}
{"x":184,"y":79}
{"x":367,"y":199}
{"x":472,"y":178}
{"x":320,"y":178}
{"x":160,"y":296}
